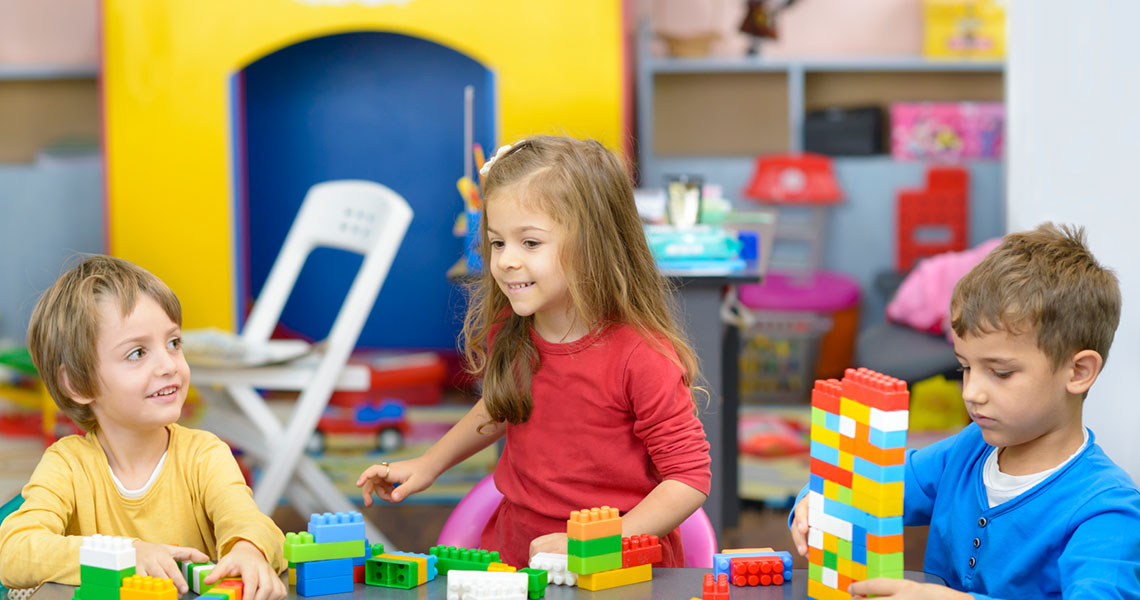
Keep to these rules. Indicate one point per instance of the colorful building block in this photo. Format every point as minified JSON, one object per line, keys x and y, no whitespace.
{"x":90,"y":575}
{"x":588,"y":524}
{"x":197,"y":580}
{"x":715,"y":589}
{"x":324,"y":568}
{"x":325,"y":586}
{"x":594,"y":547}
{"x":385,"y":570}
{"x":336,"y":527}
{"x":230,"y":584}
{"x":473,"y":585}
{"x":756,"y":570}
{"x":536,"y":582}
{"x":138,"y":587}
{"x":426,"y":563}
{"x":641,"y":549}
{"x":463,"y":559}
{"x":301,"y":547}
{"x":107,"y":552}
{"x":556,"y":568}
{"x":615,"y":578}
{"x":584,"y":565}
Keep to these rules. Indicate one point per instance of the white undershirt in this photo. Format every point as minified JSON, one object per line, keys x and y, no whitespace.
{"x":139,"y":493}
{"x":1003,"y":488}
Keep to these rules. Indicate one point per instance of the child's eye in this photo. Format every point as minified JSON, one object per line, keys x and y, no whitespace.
{"x":1002,"y":374}
{"x":963,"y":369}
{"x":174,"y":343}
{"x":496,"y":244}
{"x":531,"y":244}
{"x":135,"y":354}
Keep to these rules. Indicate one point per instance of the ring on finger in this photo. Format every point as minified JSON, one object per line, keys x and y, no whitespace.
{"x":387,"y":470}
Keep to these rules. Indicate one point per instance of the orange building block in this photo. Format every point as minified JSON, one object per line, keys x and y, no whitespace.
{"x":884,"y":544}
{"x":589,"y":524}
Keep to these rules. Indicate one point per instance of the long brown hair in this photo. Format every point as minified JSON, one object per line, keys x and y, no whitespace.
{"x":611,"y":273}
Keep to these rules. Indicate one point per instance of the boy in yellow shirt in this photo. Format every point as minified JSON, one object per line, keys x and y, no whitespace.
{"x":106,"y":338}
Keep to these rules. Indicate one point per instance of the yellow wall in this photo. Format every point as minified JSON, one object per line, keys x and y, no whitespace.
{"x":166,"y":84}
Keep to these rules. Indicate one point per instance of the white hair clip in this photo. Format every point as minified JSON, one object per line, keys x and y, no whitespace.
{"x":487,"y":165}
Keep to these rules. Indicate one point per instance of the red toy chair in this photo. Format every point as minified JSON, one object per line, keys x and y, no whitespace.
{"x":465,"y":525}
{"x":941,"y":208}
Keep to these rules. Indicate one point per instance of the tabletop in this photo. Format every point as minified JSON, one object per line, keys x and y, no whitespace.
{"x":671,"y":584}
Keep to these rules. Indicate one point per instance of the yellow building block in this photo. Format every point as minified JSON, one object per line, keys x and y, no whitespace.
{"x":856,"y":410}
{"x":831,"y":543}
{"x":818,"y":591}
{"x":738,"y":550}
{"x":499,"y":567}
{"x":879,"y":507}
{"x":293,"y":576}
{"x":140,"y":587}
{"x":863,"y":485}
{"x":844,"y":566}
{"x":831,"y":490}
{"x":605,"y":580}
{"x":825,"y":436}
{"x":846,"y":461}
{"x":593,"y":523}
{"x":858,"y":571}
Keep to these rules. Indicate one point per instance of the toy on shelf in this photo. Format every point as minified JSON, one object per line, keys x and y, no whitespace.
{"x":947,"y":130}
{"x":855,"y":497}
{"x":596,"y":550}
{"x":325,"y":559}
{"x":964,"y":29}
{"x":934,"y":219}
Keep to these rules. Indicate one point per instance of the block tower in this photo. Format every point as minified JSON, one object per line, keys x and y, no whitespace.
{"x":855,"y":496}
{"x":601,"y":557}
{"x":323,"y":560}
{"x":104,"y":562}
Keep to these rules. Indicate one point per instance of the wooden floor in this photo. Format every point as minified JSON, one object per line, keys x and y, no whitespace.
{"x":414,"y":528}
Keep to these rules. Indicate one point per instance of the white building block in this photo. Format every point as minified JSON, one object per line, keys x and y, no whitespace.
{"x":107,"y":552}
{"x":486,"y":585}
{"x":815,"y":537}
{"x":894,"y":420}
{"x":830,"y":578}
{"x":555,"y":566}
{"x":847,"y":426}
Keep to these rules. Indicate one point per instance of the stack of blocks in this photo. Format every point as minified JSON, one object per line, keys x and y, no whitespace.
{"x":855,"y":497}
{"x":323,"y":559}
{"x":104,"y":562}
{"x":597,"y":552}
{"x":476,"y":574}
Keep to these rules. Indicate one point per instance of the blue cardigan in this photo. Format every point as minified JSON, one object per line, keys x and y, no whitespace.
{"x":1074,"y":535}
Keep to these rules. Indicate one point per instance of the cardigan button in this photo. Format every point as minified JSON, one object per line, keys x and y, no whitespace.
{"x":973,"y":561}
{"x":982,"y":522}
{"x":977,"y":542}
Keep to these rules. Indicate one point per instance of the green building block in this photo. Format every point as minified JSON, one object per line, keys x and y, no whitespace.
{"x":593,"y":564}
{"x":884,"y":565}
{"x":391,"y":572}
{"x":830,"y":560}
{"x":535,"y":583}
{"x":844,"y":549}
{"x":815,"y":572}
{"x":103,"y":577}
{"x":201,"y":574}
{"x":462,"y":559}
{"x":300,"y":547}
{"x":845,"y":494}
{"x":594,"y":547}
{"x":96,"y":592}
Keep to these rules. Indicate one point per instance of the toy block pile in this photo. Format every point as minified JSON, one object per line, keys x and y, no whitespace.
{"x":104,"y":562}
{"x":324,"y":559}
{"x":478,"y":574}
{"x":750,"y":567}
{"x":600,"y":557}
{"x":403,"y":570}
{"x":855,"y":494}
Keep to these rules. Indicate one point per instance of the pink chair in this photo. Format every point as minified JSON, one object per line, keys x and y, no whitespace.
{"x":465,"y":525}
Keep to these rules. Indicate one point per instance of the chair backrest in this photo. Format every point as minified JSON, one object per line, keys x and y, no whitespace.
{"x":465,"y":525}
{"x":355,"y":215}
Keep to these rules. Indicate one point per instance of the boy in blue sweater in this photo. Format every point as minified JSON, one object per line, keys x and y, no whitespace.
{"x":1023,"y":503}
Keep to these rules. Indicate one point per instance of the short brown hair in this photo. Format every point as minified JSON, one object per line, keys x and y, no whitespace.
{"x":1045,"y":279}
{"x":65,"y":325}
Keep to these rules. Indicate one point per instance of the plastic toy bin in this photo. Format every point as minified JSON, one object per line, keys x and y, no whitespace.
{"x":799,"y":327}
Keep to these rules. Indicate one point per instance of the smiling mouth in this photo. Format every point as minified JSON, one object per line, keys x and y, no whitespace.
{"x":518,"y":287}
{"x":166,"y":391}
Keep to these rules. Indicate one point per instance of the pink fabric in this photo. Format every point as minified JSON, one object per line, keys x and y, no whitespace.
{"x":923,"y":299}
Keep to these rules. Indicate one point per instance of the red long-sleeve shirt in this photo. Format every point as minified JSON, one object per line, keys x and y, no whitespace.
{"x":612,"y":418}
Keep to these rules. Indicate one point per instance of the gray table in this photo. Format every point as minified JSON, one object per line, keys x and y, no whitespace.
{"x":671,"y":584}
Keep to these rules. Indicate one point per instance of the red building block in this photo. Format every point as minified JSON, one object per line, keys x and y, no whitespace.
{"x":715,"y":590}
{"x":641,"y":549}
{"x":757,"y":570}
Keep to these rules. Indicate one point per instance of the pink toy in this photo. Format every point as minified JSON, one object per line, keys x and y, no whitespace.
{"x":947,"y":130}
{"x":465,"y":525}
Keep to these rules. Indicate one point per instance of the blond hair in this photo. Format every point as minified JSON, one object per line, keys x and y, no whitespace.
{"x":1045,"y":280}
{"x":64,"y":327}
{"x":611,"y":274}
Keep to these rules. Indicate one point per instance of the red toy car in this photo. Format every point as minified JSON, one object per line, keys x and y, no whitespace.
{"x":358,"y":414}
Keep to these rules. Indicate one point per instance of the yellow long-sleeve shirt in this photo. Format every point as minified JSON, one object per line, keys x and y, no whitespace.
{"x":198,"y":500}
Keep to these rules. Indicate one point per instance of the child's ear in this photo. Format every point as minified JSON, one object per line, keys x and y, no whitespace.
{"x":1086,"y":366}
{"x":65,"y":383}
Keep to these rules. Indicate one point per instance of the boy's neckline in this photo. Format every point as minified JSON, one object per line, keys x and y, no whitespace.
{"x":147,"y":461}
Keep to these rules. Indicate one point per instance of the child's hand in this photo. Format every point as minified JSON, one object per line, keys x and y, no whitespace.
{"x":901,"y":589}
{"x":551,"y":542}
{"x":258,"y":581}
{"x":800,"y":527}
{"x":410,"y":476}
{"x":158,"y":560}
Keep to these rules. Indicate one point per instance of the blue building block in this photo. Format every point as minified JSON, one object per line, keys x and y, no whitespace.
{"x":879,"y":473}
{"x":825,"y":453}
{"x":336,"y":527}
{"x":831,"y":421}
{"x":359,"y":560}
{"x":815,"y":484}
{"x":887,"y":439}
{"x":325,"y":586}
{"x":320,"y":569}
{"x":430,"y":558}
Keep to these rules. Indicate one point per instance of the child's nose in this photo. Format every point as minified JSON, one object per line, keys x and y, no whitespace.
{"x":508,"y":259}
{"x":971,"y":390}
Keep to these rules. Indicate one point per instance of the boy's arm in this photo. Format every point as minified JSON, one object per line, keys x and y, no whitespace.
{"x":1102,"y":556}
{"x":33,"y":547}
{"x":229,"y":504}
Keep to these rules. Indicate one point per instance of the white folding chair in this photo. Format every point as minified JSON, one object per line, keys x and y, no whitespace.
{"x":358,"y":216}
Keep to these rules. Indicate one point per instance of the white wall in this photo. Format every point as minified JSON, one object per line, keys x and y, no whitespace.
{"x":1073,"y":95}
